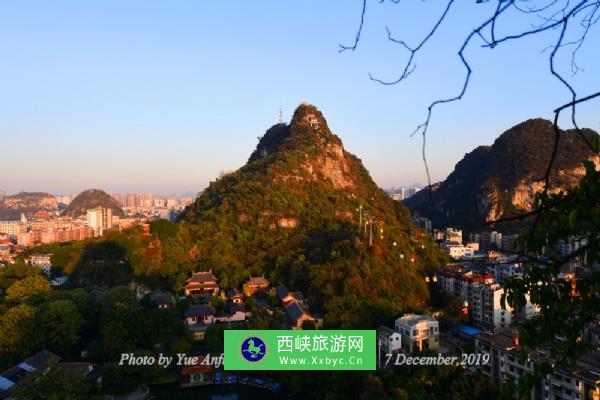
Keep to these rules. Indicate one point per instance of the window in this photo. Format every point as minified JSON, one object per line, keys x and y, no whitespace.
{"x":414,"y":332}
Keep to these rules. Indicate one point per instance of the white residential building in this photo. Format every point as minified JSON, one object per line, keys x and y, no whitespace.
{"x":462,"y":284}
{"x":501,"y":271}
{"x":564,"y":248}
{"x":453,"y":235}
{"x":41,"y":261}
{"x":418,"y":332}
{"x":487,"y":240}
{"x":457,"y":250}
{"x":505,"y":362}
{"x":501,"y":349}
{"x":489,"y":306}
{"x":388,"y":340}
{"x":100,"y":220}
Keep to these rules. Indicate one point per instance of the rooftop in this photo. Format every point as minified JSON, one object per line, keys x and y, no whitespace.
{"x":203,"y":276}
{"x":294,"y":311}
{"x":233,"y":293}
{"x":505,"y":340}
{"x":258,"y":280}
{"x":281,"y":291}
{"x":414,"y":319}
{"x":384,"y":330}
{"x":199,"y":311}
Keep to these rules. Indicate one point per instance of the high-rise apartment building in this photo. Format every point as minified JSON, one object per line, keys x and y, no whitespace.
{"x":64,"y":199}
{"x":100,"y":220}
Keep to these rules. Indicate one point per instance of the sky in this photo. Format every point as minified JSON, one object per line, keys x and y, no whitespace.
{"x":155,"y":96}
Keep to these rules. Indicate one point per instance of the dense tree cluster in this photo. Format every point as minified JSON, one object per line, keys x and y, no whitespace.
{"x":34,"y":316}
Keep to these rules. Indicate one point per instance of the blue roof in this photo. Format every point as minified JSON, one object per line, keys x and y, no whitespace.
{"x":467,"y":329}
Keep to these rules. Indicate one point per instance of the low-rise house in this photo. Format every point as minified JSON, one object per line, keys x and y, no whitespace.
{"x":199,"y":315}
{"x":237,"y":313}
{"x":82,"y":368}
{"x":299,"y":297}
{"x":419,"y":332}
{"x":59,"y":280}
{"x":285,"y":296}
{"x":10,"y":378}
{"x":202,"y":373}
{"x":256,"y":286}
{"x":235,"y":296}
{"x":41,"y":261}
{"x":201,"y":282}
{"x":162,"y":300}
{"x":388,"y":340}
{"x":295,"y":315}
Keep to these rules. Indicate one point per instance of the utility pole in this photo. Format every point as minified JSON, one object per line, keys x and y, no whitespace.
{"x":359,"y":209}
{"x":280,"y":116}
{"x":371,"y":219}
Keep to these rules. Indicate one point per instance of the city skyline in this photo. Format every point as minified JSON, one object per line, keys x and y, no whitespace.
{"x":162,"y":98}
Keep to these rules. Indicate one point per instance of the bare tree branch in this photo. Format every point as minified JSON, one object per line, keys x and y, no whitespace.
{"x":561,"y":14}
{"x":358,"y":32}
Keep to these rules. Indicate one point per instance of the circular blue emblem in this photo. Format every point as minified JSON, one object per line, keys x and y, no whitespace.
{"x":253,"y":349}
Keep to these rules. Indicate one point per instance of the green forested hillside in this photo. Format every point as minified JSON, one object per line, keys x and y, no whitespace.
{"x":500,"y":180}
{"x":292,"y":213}
{"x":92,"y":198}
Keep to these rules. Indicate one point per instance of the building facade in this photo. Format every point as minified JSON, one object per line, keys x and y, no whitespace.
{"x":418,"y":332}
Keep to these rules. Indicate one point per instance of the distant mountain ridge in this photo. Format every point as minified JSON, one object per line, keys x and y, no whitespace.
{"x":92,"y":198}
{"x":501,"y":180}
{"x":11,"y":207}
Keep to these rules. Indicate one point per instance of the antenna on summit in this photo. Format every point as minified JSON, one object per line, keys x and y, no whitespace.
{"x":280,"y":116}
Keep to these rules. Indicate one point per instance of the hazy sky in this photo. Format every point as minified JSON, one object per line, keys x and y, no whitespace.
{"x":161,"y":96}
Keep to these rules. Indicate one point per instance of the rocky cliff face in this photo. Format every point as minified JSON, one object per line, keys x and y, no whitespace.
{"x":324,"y":157}
{"x":11,"y":207}
{"x":501,"y":180}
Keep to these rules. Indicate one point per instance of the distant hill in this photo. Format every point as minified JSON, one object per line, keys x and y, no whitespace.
{"x":500,"y":180}
{"x":92,"y":198}
{"x":27,"y":203}
{"x":292,"y":213}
